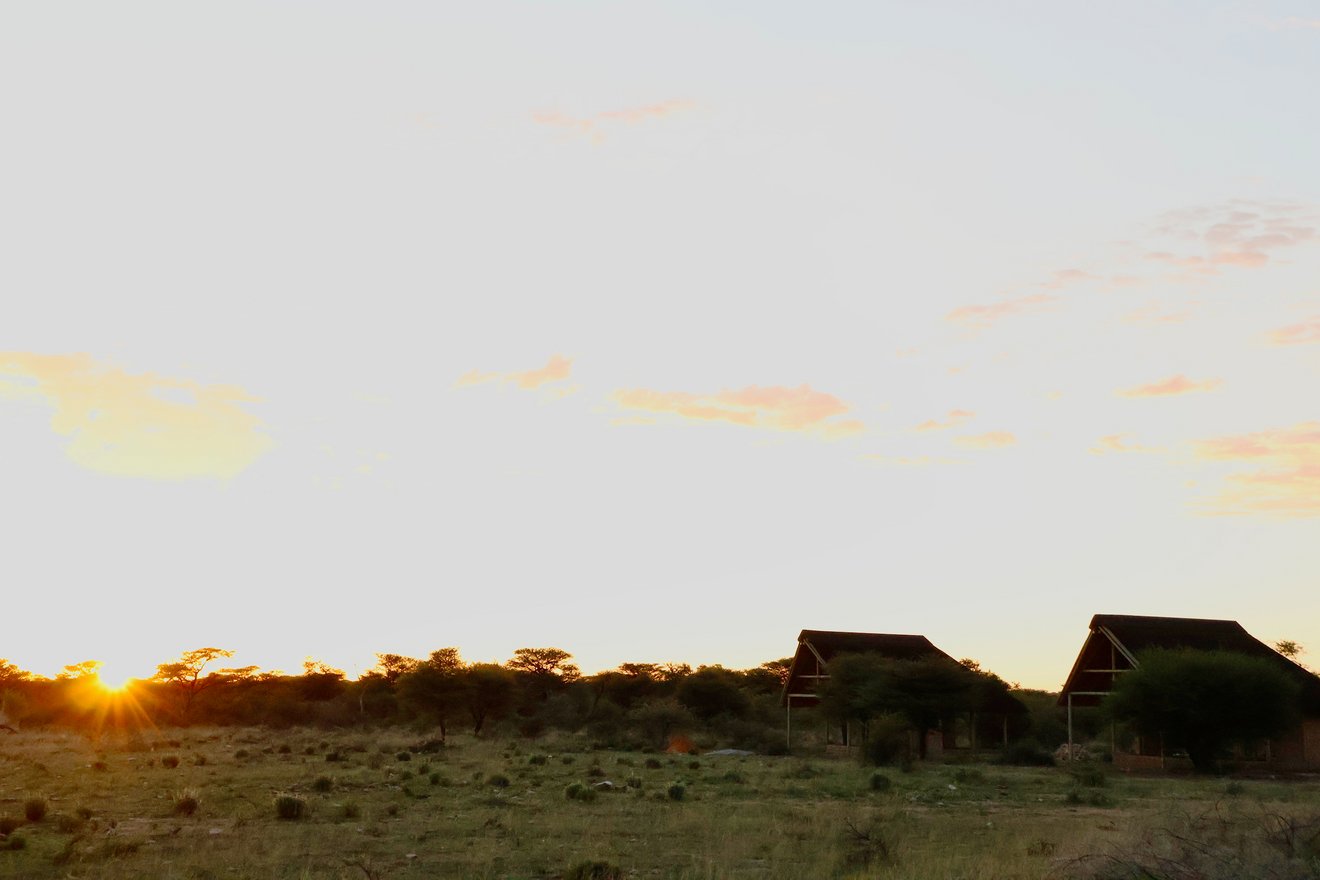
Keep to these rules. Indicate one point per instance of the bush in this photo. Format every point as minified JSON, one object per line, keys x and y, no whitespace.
{"x":652,"y":764}
{"x":676,"y":792}
{"x":576,"y":791}
{"x":289,"y":806}
{"x":34,"y":809}
{"x":15,"y":842}
{"x":323,"y":784}
{"x":1089,"y":775}
{"x":350,"y":810}
{"x":594,"y":871}
{"x":886,"y":741}
{"x":880,"y":782}
{"x":498,"y":780}
{"x":169,"y":762}
{"x":1026,"y":753}
{"x":404,"y":756}
{"x":537,"y":760}
{"x":186,"y":802}
{"x":8,"y":824}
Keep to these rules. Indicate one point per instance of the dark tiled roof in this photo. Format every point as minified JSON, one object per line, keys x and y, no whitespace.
{"x":1137,"y":634}
{"x":899,"y":647}
{"x":830,"y":644}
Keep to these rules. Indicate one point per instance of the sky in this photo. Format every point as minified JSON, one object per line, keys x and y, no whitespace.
{"x":654,"y":331}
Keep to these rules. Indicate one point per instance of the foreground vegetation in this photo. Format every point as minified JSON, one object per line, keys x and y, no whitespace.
{"x":254,"y":803}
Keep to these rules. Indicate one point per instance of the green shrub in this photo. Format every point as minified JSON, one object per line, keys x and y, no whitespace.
{"x":537,"y":759}
{"x":285,"y":749}
{"x":594,"y":871}
{"x":169,"y":762}
{"x":1234,"y":788}
{"x":34,"y":808}
{"x":634,"y":782}
{"x":9,"y":823}
{"x":323,"y":784}
{"x":880,"y":782}
{"x":1026,"y":753}
{"x":653,"y":764}
{"x":289,"y":806}
{"x":576,"y":791}
{"x":1089,"y":775}
{"x":499,"y":780}
{"x":404,"y":756}
{"x":676,"y":792}
{"x":15,"y":842}
{"x":66,"y":824}
{"x":350,"y":810}
{"x":332,"y":757}
{"x":186,"y":802}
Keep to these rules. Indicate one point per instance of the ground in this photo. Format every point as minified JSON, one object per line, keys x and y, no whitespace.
{"x":376,"y":806}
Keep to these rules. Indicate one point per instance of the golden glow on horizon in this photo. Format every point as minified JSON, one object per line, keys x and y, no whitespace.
{"x":138,"y":425}
{"x":782,"y":409}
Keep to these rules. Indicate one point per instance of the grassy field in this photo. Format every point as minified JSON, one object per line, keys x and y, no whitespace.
{"x":375,"y":806}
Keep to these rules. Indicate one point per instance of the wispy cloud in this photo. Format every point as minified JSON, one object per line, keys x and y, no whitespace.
{"x":990,"y":440}
{"x":139,"y":425}
{"x":1241,"y":233}
{"x":1155,"y":314}
{"x":1061,"y":278}
{"x":1293,"y":23}
{"x":987,"y":315}
{"x":594,"y":127}
{"x":1112,"y":443}
{"x":783,"y":409}
{"x":1173,"y":385}
{"x":556,"y":369}
{"x":1285,"y":480}
{"x":955,"y":418}
{"x":1298,"y":334}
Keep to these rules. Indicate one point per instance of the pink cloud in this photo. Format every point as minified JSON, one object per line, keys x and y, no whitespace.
{"x":594,"y":126}
{"x":955,"y":418}
{"x":984,"y":316}
{"x":1174,"y":385}
{"x":1240,"y":233}
{"x":1062,"y":278}
{"x":1111,"y":443}
{"x":777,"y":408}
{"x":1285,"y":481}
{"x":1298,"y":334}
{"x":1154,"y":314}
{"x":990,"y":440}
{"x":556,"y":369}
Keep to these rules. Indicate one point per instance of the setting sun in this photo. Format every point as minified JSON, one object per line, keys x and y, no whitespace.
{"x":114,"y":677}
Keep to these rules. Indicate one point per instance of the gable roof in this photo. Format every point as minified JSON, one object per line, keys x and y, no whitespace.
{"x":816,"y":647}
{"x":1116,"y":639}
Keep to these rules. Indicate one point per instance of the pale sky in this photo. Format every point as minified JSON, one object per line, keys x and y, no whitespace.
{"x":654,"y":331}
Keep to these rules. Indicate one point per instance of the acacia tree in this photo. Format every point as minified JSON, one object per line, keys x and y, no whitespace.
{"x":1205,"y":701}
{"x":924,"y":693}
{"x":488,"y":692}
{"x":545,"y":669}
{"x":435,"y":686}
{"x":185,"y":674}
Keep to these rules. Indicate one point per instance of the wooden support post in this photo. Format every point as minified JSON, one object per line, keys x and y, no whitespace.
{"x":788,"y":723}
{"x":1070,"y":732}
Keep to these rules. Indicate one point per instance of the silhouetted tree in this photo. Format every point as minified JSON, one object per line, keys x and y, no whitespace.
{"x":11,"y":674}
{"x":435,"y":686}
{"x":488,"y":691}
{"x":185,"y":674}
{"x":320,"y":681}
{"x":545,"y":669}
{"x":1205,"y":701}
{"x":925,"y":692}
{"x":711,"y":691}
